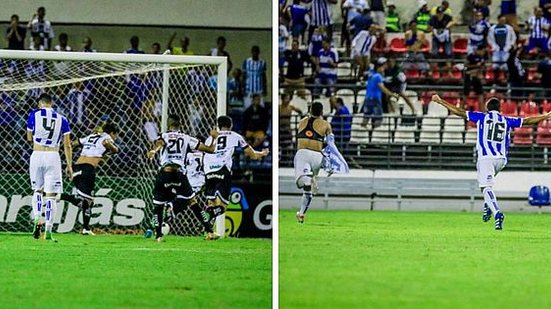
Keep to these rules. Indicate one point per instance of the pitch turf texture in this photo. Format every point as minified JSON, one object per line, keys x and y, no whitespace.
{"x":116,"y":271}
{"x":347,"y":259}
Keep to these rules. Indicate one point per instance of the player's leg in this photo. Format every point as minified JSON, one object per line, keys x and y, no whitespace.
{"x":36,"y":174}
{"x":161,"y":196}
{"x":53,"y":185}
{"x":486,"y":178}
{"x":304,"y":176}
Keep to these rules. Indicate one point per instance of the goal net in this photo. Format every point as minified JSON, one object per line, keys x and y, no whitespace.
{"x":136,"y":92}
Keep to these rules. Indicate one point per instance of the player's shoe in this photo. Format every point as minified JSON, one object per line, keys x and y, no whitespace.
{"x":212,"y":236}
{"x":300,"y":218}
{"x":37,"y":229}
{"x":486,"y":214}
{"x":169,"y":214}
{"x":87,"y":232}
{"x":49,"y":237}
{"x":159,"y":239}
{"x":499,"y":220}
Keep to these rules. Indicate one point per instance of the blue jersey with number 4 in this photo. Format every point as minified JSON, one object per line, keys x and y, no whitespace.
{"x":493,"y":133}
{"x":47,"y":127}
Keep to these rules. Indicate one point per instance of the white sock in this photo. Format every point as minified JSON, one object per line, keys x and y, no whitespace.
{"x":50,"y":212}
{"x":305,"y":202}
{"x":490,"y":199}
{"x":37,"y":205}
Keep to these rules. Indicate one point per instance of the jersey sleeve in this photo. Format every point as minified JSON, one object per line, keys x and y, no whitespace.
{"x":241,"y":142}
{"x":514,"y":122}
{"x":193,"y":143}
{"x":474,"y":116}
{"x":30,"y":122}
{"x":65,"y":129}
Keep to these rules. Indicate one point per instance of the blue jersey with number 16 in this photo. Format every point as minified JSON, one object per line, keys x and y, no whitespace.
{"x":47,"y":127}
{"x":493,"y":133}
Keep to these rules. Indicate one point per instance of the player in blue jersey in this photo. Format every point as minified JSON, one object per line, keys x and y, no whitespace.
{"x":492,"y":147}
{"x":45,"y":129}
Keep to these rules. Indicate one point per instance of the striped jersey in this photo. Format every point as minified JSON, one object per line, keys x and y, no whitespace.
{"x":326,"y":57}
{"x":177,"y":145}
{"x":363,"y":42}
{"x":226,"y":142}
{"x":494,"y":130}
{"x":92,"y":145}
{"x":254,"y":70}
{"x":538,"y":27}
{"x":320,"y":11}
{"x":47,"y":127}
{"x":477,"y":32}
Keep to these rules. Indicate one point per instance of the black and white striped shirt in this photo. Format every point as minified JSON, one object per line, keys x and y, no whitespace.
{"x":320,"y":13}
{"x":538,"y":27}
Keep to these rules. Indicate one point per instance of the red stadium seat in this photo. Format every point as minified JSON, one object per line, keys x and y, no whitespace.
{"x":426,"y":97}
{"x":380,"y":46}
{"x":543,"y":136}
{"x":529,"y":109}
{"x":489,"y":75}
{"x":546,"y":106}
{"x":413,"y":75}
{"x":398,"y":45}
{"x":523,"y":136}
{"x":457,"y":75}
{"x":531,"y":76}
{"x":509,"y":108}
{"x":460,"y":46}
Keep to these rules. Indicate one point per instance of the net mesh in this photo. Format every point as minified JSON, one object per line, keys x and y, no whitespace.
{"x":88,"y":93}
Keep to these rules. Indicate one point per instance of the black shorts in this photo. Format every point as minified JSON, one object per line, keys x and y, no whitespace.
{"x":474,"y":82}
{"x":170,"y":185}
{"x":84,"y":179}
{"x":218,"y":184}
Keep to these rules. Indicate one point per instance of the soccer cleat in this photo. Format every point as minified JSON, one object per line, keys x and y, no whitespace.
{"x":169,"y":214}
{"x":37,"y":229}
{"x":159,"y":239}
{"x":87,"y":232}
{"x":49,"y":237}
{"x":212,"y":236}
{"x":300,"y":218}
{"x":486,"y":214}
{"x":499,"y":220}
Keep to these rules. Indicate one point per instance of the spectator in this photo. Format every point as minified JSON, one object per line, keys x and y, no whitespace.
{"x":254,"y":77}
{"x":315,"y":45}
{"x":415,"y":40}
{"x":378,"y":12}
{"x":286,"y":109}
{"x":393,"y":23}
{"x":545,"y":5}
{"x":321,"y":16}
{"x":474,"y":66}
{"x":445,"y":5}
{"x":538,"y":27}
{"x":351,"y":9}
{"x":87,"y":45}
{"x":440,"y":25}
{"x":294,"y":77}
{"x":361,"y":48}
{"x":395,"y":81}
{"x":422,"y":17}
{"x":156,"y":48}
{"x":483,"y":7}
{"x":78,"y":100}
{"x":9,"y":129}
{"x":184,"y":46}
{"x":517,"y":73}
{"x":63,"y":43}
{"x":220,"y":50}
{"x":478,"y":32}
{"x":341,"y":123}
{"x":15,"y":34}
{"x":544,"y":74}
{"x":41,"y":27}
{"x":235,"y":88}
{"x":283,"y":36}
{"x":373,"y":103}
{"x":509,"y":11}
{"x":37,"y":44}
{"x":501,"y":38}
{"x":298,"y":14}
{"x":326,"y":68}
{"x":256,"y":119}
{"x":134,"y":46}
{"x":360,"y":22}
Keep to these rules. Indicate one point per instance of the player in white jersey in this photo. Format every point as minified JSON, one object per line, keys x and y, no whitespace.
{"x":45,"y":128}
{"x":95,"y":148}
{"x":194,"y":170}
{"x":172,"y":190}
{"x":218,"y":165}
{"x":492,"y":146}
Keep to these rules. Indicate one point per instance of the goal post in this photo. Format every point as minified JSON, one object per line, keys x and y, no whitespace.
{"x":135,"y":91}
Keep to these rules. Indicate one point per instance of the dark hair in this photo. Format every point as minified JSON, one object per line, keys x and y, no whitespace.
{"x":173,"y":121}
{"x":500,"y":15}
{"x":224,"y":122}
{"x":63,"y":36}
{"x":317,"y":109}
{"x":156,"y":44}
{"x":134,"y":40}
{"x":221,"y":38}
{"x":255,"y":48}
{"x":340,"y":101}
{"x":45,"y":98}
{"x":412,"y":22}
{"x":14,"y":16}
{"x":110,"y":128}
{"x":41,"y":8}
{"x":493,"y":104}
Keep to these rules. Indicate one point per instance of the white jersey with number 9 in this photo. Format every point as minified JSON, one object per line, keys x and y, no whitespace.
{"x":226,"y":142}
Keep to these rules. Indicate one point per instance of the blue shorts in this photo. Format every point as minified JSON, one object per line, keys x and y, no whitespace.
{"x":373,"y":109}
{"x":297,"y":30}
{"x":542,"y":44}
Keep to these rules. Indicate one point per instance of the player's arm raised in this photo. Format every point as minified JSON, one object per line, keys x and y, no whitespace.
{"x":256,"y":155}
{"x":209,"y":148}
{"x":452,"y":108}
{"x":157,"y":145}
{"x":535,"y":119}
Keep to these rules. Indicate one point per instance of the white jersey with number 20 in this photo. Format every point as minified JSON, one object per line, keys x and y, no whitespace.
{"x":177,"y":145}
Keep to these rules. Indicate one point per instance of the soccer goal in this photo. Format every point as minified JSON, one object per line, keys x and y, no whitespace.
{"x":137,"y":92}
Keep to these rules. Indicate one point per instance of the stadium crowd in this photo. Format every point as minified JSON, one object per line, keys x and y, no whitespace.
{"x":132,"y":100}
{"x":378,"y":52}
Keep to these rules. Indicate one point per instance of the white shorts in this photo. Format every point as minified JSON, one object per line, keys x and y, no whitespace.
{"x":499,"y":59}
{"x":45,"y":171}
{"x":307,"y":165}
{"x":487,"y":169}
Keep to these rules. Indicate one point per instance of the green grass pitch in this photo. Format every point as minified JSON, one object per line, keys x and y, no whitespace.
{"x":361,"y":259}
{"x":116,"y":271}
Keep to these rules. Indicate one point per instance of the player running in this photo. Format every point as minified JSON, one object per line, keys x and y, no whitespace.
{"x":172,"y":189}
{"x":312,"y":131}
{"x":492,"y":146}
{"x":45,"y":127}
{"x":94,"y":149}
{"x":218,"y":165}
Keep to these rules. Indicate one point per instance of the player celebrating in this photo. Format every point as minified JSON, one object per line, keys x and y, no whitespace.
{"x":44,"y":129}
{"x":218,"y":165}
{"x":312,"y":131}
{"x":492,"y":146}
{"x":172,"y":189}
{"x":94,"y":147}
